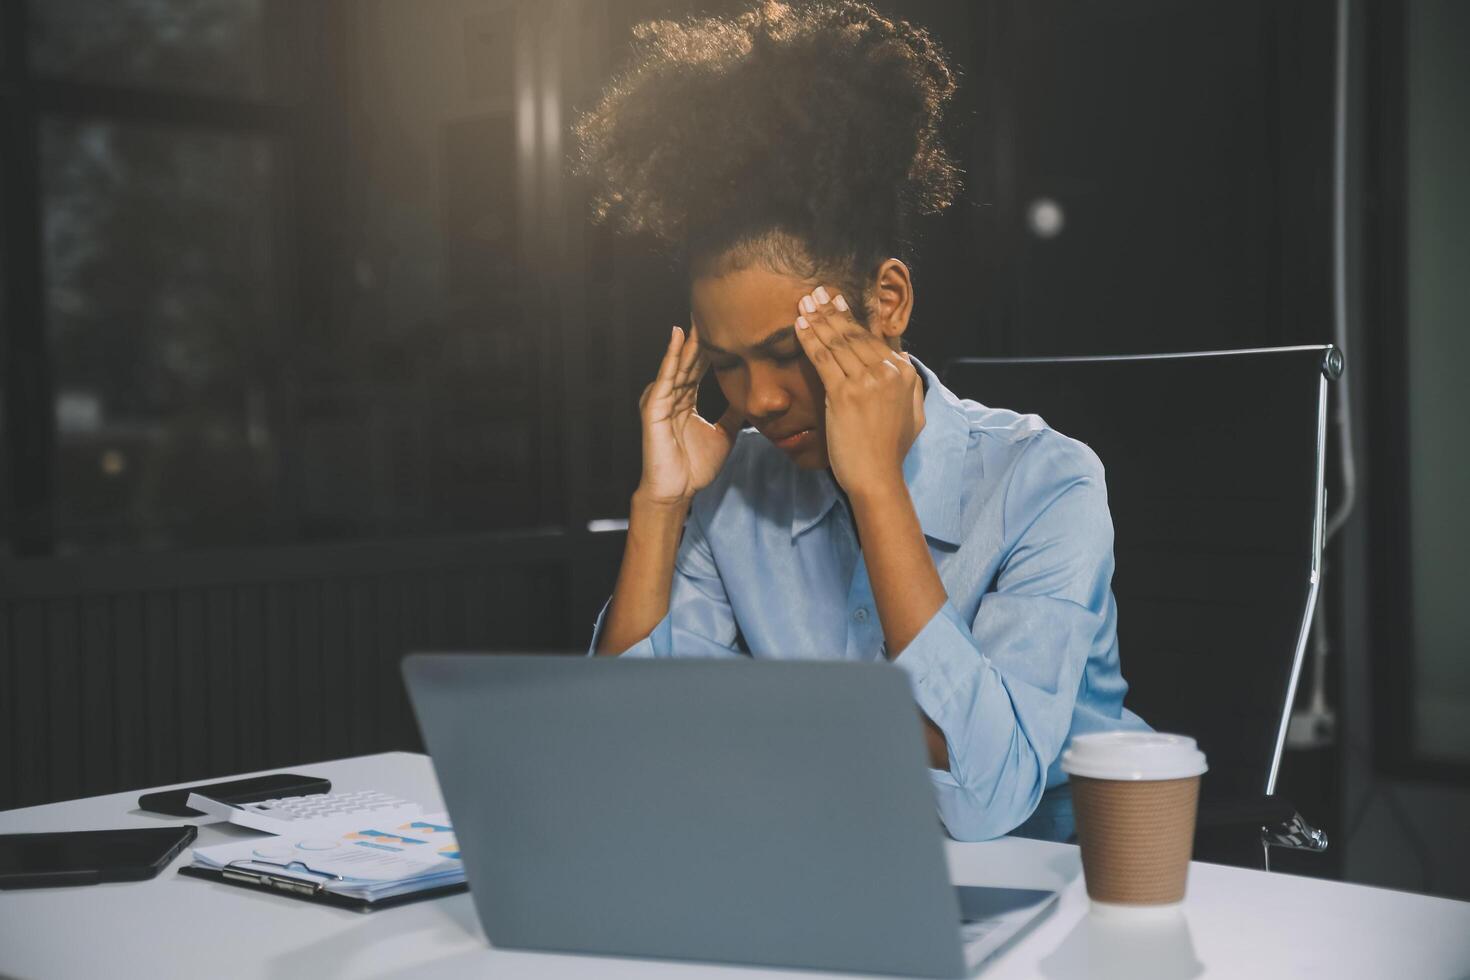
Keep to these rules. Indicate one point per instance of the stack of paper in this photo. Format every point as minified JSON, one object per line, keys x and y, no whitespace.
{"x":365,"y":862}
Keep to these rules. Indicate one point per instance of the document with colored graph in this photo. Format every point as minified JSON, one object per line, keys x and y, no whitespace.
{"x":370,"y":862}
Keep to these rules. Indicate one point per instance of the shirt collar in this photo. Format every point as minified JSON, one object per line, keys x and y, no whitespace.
{"x":932,"y":469}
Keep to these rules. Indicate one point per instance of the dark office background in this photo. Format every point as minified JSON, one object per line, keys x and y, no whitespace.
{"x":309,"y":357}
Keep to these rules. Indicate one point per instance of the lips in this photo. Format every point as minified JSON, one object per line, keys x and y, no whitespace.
{"x":790,"y":440}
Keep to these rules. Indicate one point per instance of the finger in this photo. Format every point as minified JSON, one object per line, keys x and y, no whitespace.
{"x":816,"y":352}
{"x":664,"y":381}
{"x":698,"y":368}
{"x":842,"y":352}
{"x":689,"y":359}
{"x":867,"y":345}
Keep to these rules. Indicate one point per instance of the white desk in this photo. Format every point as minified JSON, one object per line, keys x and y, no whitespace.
{"x":1236,"y":923}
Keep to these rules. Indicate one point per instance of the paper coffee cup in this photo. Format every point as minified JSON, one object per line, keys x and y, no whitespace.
{"x":1135,"y":795}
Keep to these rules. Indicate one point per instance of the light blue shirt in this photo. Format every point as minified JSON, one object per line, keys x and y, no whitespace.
{"x":1022,"y":656}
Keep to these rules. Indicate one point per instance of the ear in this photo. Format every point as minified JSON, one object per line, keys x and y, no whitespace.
{"x":892,"y":301}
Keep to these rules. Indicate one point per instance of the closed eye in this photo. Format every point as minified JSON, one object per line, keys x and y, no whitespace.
{"x":776,"y":357}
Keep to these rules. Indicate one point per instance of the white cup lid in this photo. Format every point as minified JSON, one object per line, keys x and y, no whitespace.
{"x":1133,"y":755}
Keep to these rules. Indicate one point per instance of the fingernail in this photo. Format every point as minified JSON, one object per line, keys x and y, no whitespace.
{"x":821,"y":294}
{"x":801,"y":323}
{"x":840,"y":303}
{"x":808,"y":305}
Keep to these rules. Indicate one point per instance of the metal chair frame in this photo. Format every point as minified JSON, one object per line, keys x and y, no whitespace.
{"x":1279,"y":823}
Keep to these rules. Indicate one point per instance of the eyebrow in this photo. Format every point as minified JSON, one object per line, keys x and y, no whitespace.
{"x":774,"y":338}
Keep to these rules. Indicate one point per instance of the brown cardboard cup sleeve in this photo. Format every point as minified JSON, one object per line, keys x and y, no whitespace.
{"x":1135,"y":795}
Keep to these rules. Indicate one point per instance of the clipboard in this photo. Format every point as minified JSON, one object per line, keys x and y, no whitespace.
{"x":309,"y":890}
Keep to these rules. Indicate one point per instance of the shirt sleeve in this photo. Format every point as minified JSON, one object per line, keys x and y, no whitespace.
{"x":1002,"y":686}
{"x":700,"y":622}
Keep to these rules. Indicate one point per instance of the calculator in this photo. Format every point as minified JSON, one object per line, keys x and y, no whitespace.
{"x":305,"y":814}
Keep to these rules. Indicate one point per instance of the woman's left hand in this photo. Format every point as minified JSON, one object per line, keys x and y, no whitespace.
{"x":875,"y":399}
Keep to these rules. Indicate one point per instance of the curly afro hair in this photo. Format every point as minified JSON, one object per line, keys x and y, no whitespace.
{"x":805,"y":137}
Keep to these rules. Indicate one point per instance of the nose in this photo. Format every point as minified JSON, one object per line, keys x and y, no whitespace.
{"x":767,"y":397}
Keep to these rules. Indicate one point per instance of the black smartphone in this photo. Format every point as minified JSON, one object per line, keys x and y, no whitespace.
{"x":86,"y":857}
{"x":175,"y":802}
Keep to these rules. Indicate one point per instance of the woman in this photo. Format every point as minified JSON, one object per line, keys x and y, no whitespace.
{"x":846,"y":506}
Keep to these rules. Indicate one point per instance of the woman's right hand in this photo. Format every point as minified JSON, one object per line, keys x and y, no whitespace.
{"x":682,"y":452}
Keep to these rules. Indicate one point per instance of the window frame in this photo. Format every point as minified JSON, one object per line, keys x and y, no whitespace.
{"x":28,"y":437}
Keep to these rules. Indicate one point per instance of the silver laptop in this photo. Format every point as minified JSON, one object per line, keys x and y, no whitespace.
{"x":757,"y":812}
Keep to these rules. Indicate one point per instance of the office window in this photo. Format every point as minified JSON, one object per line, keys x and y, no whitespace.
{"x":161,"y":314}
{"x":286,"y":277}
{"x":206,"y":46}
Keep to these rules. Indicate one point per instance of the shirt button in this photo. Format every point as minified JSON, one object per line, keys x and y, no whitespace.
{"x":861,"y":615}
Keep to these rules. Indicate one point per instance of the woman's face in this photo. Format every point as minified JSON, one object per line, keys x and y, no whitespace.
{"x":745,"y":322}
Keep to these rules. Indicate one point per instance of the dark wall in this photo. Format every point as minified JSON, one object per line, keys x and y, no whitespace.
{"x":1187,"y":150}
{"x":133,"y":673}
